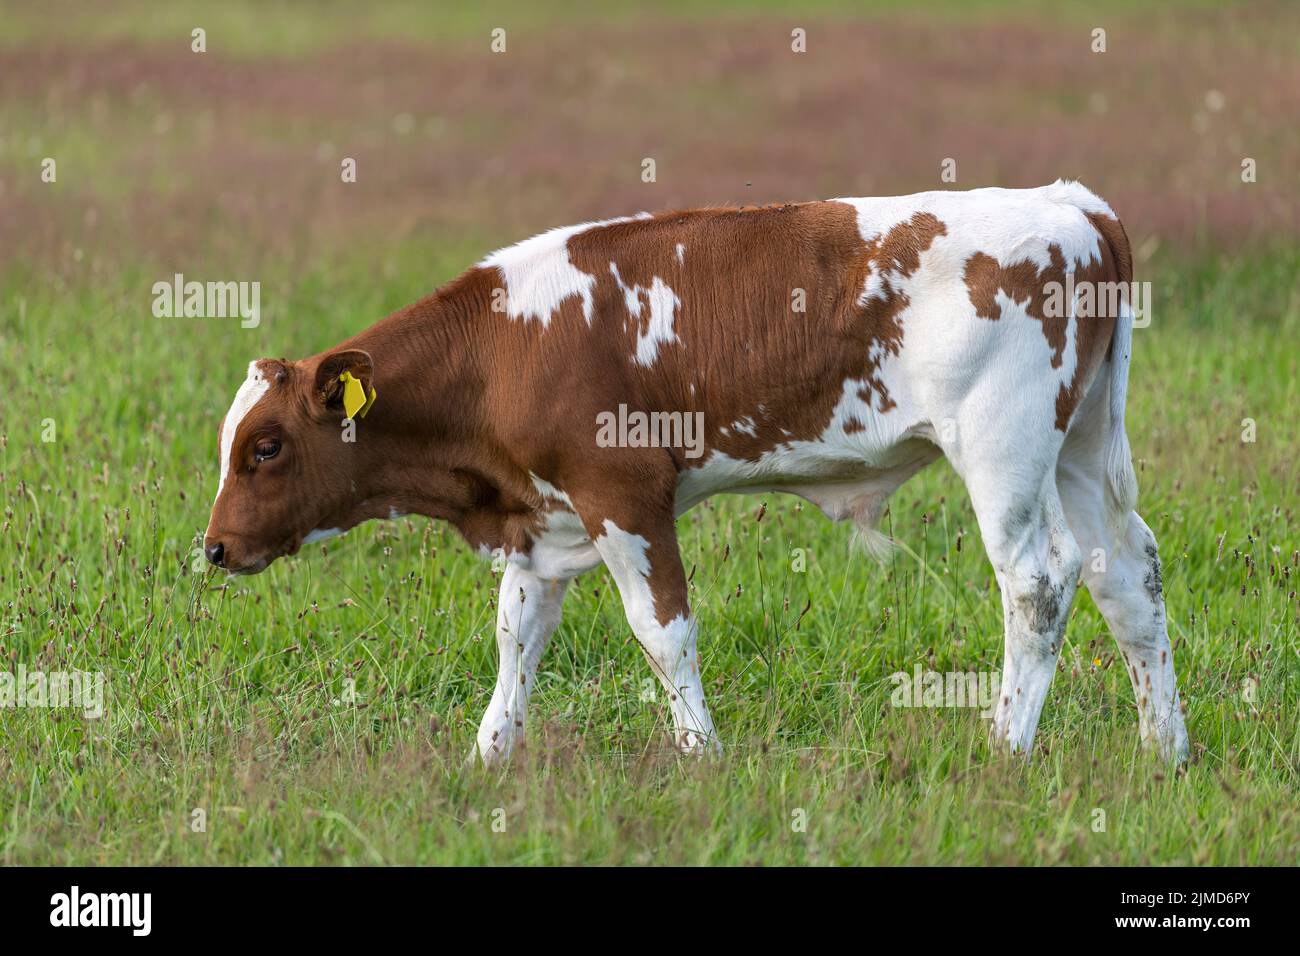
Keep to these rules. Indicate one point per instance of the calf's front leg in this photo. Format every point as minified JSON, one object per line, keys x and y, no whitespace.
{"x":642,"y":556}
{"x":528,"y":611}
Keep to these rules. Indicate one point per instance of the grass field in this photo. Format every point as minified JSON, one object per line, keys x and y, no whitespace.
{"x":232,"y":697}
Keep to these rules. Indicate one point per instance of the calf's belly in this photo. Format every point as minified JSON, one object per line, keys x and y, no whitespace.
{"x":843,"y":482}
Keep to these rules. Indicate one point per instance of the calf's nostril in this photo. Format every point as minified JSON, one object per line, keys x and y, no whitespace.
{"x":216,"y":553}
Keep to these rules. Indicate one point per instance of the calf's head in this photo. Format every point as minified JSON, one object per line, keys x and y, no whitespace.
{"x":286,"y":469}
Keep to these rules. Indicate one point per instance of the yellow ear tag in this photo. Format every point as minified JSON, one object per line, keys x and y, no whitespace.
{"x":369,"y":401}
{"x":354,"y":396}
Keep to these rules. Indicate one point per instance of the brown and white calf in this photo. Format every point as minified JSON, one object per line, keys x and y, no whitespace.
{"x":828,"y":349}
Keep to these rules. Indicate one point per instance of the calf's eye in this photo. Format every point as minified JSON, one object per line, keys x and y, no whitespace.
{"x":266,"y":449}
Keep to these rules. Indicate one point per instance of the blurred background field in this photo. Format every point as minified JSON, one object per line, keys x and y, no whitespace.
{"x":230,"y":159}
{"x":227,"y":695}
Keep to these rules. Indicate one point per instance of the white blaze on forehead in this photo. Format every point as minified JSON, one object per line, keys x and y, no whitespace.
{"x":539,"y":275}
{"x":249,"y":394}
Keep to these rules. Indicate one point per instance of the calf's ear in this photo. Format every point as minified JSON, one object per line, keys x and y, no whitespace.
{"x":329,"y":389}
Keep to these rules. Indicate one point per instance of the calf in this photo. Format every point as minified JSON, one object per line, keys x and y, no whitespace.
{"x":826,"y":349}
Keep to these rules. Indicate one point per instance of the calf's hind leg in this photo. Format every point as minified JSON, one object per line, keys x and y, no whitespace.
{"x":1122,"y":571}
{"x":1036,"y":562}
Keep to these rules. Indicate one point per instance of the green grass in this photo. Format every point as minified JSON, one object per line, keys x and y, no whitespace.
{"x":227,"y":696}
